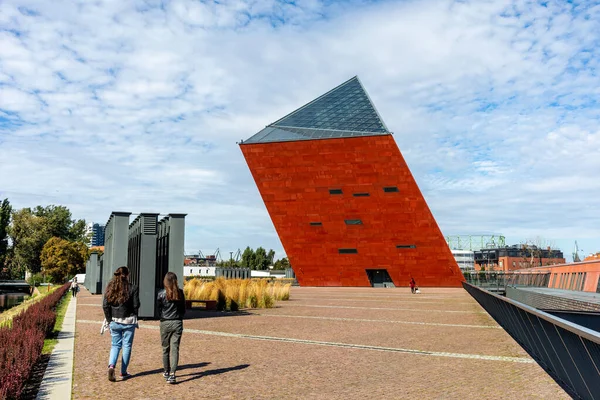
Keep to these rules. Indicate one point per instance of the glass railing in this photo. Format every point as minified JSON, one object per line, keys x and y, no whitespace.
{"x":498,"y":281}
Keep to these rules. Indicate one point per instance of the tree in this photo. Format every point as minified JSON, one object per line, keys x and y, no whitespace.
{"x":533,"y":251}
{"x":61,"y":258}
{"x":60,"y":223}
{"x":248,"y":258}
{"x":271,"y":256}
{"x":282,"y":264}
{"x":28,"y":233}
{"x":261,"y":261}
{"x":31,"y":229}
{"x":5,"y":212}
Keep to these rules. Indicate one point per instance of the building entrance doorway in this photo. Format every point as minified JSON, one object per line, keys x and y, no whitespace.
{"x":379,"y":278}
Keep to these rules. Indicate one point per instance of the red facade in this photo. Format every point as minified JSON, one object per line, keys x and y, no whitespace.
{"x":295,"y":178}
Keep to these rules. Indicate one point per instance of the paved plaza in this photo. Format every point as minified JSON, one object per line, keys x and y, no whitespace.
{"x":325,"y":343}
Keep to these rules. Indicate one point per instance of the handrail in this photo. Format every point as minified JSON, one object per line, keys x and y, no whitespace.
{"x":589,"y":334}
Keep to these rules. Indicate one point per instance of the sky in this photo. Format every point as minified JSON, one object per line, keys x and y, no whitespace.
{"x":138,"y":105}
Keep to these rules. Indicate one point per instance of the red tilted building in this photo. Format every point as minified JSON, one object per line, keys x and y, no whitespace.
{"x":343,"y":200}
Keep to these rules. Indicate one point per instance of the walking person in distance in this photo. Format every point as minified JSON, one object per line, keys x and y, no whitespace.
{"x":74,"y":287}
{"x":120,"y":304}
{"x":171,"y":308}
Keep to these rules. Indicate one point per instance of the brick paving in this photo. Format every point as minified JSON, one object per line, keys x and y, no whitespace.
{"x":325,"y":343}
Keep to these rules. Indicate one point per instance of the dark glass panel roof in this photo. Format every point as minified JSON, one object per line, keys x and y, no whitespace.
{"x":345,"y":111}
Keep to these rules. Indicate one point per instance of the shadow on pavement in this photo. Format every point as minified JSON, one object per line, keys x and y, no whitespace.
{"x":198,"y":375}
{"x":179,"y":368}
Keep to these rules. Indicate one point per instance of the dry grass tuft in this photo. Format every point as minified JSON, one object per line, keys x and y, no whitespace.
{"x":233,"y":294}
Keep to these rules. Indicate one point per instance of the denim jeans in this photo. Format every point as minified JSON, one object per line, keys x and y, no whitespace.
{"x":122,"y":336}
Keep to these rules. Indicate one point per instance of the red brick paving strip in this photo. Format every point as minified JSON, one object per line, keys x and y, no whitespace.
{"x":219,"y":367}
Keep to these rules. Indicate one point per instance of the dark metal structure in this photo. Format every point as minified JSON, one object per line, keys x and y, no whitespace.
{"x":115,"y":245}
{"x":570,"y":353}
{"x":141,"y":260}
{"x":149,"y":247}
{"x":93,"y":274}
{"x":170,"y":242}
{"x":233,"y":273}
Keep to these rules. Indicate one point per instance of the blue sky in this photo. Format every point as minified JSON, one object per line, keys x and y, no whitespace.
{"x":138,"y":105}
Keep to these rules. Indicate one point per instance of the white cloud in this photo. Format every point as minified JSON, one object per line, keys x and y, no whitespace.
{"x":138,"y":105}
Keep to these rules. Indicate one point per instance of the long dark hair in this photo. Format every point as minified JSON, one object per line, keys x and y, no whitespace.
{"x":117,"y":290}
{"x":172,"y":287}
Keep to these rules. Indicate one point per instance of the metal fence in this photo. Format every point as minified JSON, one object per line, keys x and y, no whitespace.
{"x":570,"y":353}
{"x":498,"y":281}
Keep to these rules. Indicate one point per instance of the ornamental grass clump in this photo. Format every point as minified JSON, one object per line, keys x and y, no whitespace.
{"x":281,"y":291}
{"x":233,"y":294}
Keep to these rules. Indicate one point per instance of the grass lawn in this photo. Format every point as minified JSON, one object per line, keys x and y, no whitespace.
{"x":61,"y":310}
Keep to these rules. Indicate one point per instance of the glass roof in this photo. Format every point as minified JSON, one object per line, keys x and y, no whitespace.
{"x":345,"y":111}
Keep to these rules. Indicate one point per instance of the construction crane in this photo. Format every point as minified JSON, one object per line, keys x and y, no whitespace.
{"x":237,"y":256}
{"x":218,"y":255}
{"x":576,"y":253}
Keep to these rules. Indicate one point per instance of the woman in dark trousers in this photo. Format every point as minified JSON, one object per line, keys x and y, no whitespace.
{"x":171,"y":308}
{"x":120,"y":304}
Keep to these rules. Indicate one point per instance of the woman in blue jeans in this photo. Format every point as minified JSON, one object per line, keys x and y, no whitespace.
{"x":120,"y":304}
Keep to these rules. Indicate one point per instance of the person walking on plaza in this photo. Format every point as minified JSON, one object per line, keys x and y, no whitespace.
{"x":412,"y":285}
{"x":74,"y":287}
{"x":120,"y":304}
{"x":171,"y":308}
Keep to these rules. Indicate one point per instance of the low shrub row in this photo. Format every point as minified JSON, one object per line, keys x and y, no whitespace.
{"x":22,"y":343}
{"x":233,"y":294}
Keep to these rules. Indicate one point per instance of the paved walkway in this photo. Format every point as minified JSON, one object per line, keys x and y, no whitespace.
{"x":325,"y":343}
{"x":58,"y":378}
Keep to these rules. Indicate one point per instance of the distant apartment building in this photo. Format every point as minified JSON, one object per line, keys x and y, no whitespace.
{"x":465,"y":259}
{"x":464,"y":246}
{"x":516,"y":257}
{"x":97,"y":235}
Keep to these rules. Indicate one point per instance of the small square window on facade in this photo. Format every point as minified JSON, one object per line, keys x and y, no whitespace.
{"x":347,"y":251}
{"x":406,"y":246}
{"x":353,"y":222}
{"x":390,"y":189}
{"x":364,"y":194}
{"x":316,"y":224}
{"x":335,"y":191}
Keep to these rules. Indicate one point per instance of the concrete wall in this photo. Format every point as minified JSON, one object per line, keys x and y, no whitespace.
{"x":195,"y":270}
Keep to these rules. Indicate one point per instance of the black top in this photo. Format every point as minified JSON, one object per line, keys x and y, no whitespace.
{"x":127,"y":309}
{"x":170,"y":310}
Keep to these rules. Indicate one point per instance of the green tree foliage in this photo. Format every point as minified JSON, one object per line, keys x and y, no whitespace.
{"x":61,"y":258}
{"x":31,"y":229}
{"x":28,"y":233}
{"x":261,"y":260}
{"x":247,"y":260}
{"x":258,"y":259}
{"x":271,"y":256}
{"x":282,"y":264}
{"x":60,"y":223}
{"x":5,"y":212}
